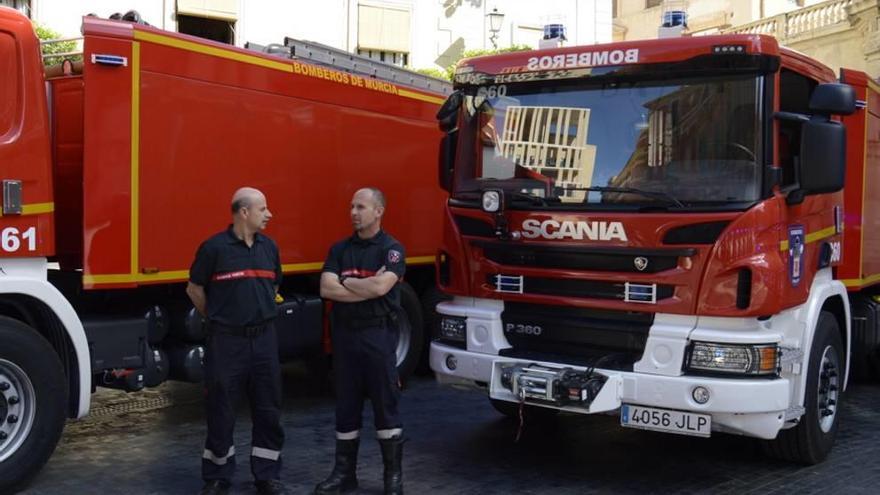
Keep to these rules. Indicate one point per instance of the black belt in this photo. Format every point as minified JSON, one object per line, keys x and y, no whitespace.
{"x":239,"y":330}
{"x":378,"y":321}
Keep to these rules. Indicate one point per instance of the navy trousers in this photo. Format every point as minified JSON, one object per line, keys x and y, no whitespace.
{"x":234,"y":366}
{"x":365,"y":364}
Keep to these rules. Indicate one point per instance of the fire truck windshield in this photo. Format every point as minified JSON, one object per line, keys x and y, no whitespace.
{"x":677,"y":143}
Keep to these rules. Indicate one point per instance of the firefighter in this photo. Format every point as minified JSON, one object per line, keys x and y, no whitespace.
{"x":233,"y":283}
{"x":361,"y":277}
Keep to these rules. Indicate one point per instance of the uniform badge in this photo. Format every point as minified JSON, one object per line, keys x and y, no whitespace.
{"x":394,"y":256}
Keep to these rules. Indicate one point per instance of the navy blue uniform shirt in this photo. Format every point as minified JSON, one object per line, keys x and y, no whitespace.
{"x":362,"y":258}
{"x":239,"y":281}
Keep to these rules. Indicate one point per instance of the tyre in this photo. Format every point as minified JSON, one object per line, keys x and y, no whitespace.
{"x":811,"y":440}
{"x":412,"y":332}
{"x":33,"y":403}
{"x":874,"y":363}
{"x":431,"y":297}
{"x":530,"y":413}
{"x":864,"y":361}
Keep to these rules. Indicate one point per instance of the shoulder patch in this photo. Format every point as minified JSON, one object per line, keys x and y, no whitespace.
{"x":394,"y":256}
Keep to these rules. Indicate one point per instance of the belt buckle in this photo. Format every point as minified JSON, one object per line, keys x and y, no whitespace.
{"x":252,"y":331}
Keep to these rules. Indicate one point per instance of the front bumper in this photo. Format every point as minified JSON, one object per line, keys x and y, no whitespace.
{"x":753,"y":407}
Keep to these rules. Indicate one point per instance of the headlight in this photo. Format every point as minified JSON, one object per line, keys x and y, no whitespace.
{"x":491,"y":201}
{"x":761,"y":359}
{"x":453,"y":328}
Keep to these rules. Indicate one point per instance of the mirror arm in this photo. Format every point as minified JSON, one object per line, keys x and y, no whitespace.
{"x":790,"y":116}
{"x":795,"y":197}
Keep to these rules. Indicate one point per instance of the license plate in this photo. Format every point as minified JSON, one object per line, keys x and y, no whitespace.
{"x":666,"y":420}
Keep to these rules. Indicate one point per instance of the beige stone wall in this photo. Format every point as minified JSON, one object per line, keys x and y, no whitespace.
{"x":635,"y":21}
{"x":842,"y":49}
{"x":839,"y":33}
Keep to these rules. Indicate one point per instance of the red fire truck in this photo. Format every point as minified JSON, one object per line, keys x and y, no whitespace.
{"x":677,"y":231}
{"x":115,"y":171}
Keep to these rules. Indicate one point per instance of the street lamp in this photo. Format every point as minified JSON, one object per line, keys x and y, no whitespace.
{"x":495,"y":20}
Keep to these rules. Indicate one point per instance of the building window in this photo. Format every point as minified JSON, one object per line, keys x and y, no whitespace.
{"x":209,"y":29}
{"x":652,"y":3}
{"x":210,"y":19}
{"x":384,"y":33}
{"x":23,"y":6}
{"x":394,"y":58}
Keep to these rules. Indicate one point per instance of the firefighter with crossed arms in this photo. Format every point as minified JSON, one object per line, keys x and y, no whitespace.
{"x":361,"y":276}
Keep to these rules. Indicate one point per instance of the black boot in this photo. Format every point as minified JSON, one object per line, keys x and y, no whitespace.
{"x":344,"y":476}
{"x":392,"y":455}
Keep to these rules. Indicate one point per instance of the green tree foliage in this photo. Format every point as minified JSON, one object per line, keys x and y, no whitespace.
{"x":44,"y":33}
{"x":476,"y":52}
{"x":433,"y":72}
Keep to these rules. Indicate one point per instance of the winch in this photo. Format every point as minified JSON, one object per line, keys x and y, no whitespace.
{"x":557,"y":386}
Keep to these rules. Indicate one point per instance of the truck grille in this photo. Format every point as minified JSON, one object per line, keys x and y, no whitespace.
{"x":593,"y":289}
{"x":579,"y":336}
{"x":627,"y":260}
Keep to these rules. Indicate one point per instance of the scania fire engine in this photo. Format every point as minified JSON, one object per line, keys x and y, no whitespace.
{"x":679,"y":231}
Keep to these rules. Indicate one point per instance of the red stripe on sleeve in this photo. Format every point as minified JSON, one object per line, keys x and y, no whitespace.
{"x":355,"y":272}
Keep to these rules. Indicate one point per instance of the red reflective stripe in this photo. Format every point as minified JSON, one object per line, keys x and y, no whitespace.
{"x":243,"y":274}
{"x":354,"y":272}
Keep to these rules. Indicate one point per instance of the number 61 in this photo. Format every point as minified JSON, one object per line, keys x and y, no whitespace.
{"x":10,"y":239}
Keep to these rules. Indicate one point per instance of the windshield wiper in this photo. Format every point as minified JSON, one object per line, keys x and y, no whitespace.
{"x":532,"y":198}
{"x":627,"y":190}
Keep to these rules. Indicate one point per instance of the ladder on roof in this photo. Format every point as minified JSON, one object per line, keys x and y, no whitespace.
{"x":342,"y":60}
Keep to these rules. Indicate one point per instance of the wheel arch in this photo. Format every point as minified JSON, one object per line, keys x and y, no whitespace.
{"x":840,"y":309}
{"x":826,"y":294}
{"x":38,"y":304}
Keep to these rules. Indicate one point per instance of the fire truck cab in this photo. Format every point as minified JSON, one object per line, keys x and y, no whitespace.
{"x":677,"y":231}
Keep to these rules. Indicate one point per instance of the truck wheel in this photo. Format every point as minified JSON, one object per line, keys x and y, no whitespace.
{"x":33,"y":401}
{"x":431,"y":297}
{"x":810,"y":441}
{"x":874,"y":363}
{"x":412,"y":332}
{"x":534,"y":413}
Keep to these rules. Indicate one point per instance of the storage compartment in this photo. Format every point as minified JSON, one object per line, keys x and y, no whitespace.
{"x":299,"y":326}
{"x":116,"y":342}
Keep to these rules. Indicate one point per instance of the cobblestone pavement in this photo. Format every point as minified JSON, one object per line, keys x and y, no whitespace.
{"x":150,"y":443}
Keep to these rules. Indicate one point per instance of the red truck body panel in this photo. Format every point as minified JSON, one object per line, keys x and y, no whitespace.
{"x":66,"y":95}
{"x":148,"y":154}
{"x":861,"y":249}
{"x":24,"y":140}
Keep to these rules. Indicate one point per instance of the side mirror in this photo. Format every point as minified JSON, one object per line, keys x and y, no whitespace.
{"x":823,"y":156}
{"x":447,"y":116}
{"x":822,"y":165}
{"x":833,"y":99}
{"x":448,"y":147}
